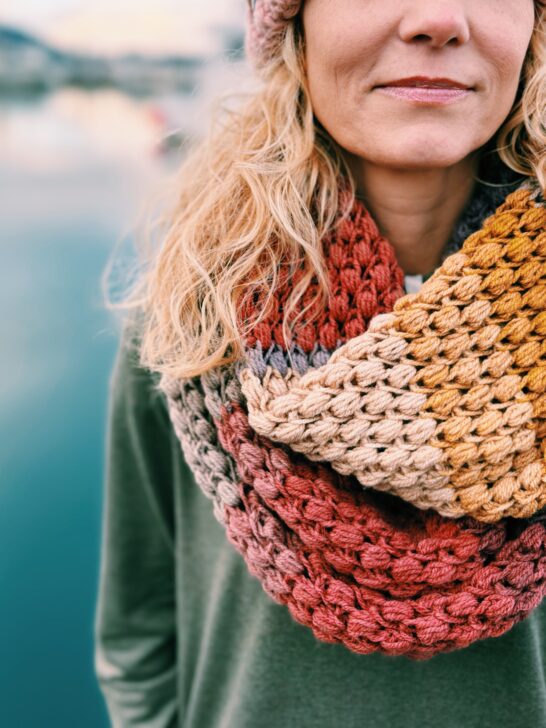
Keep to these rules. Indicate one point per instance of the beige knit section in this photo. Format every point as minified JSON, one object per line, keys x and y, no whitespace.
{"x":441,"y":401}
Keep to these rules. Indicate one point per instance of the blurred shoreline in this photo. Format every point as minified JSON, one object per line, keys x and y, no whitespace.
{"x":30,"y":66}
{"x":88,"y":144}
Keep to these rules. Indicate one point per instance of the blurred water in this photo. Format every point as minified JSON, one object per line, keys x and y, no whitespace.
{"x":75,"y":170}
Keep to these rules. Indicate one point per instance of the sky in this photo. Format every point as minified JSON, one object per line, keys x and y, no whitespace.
{"x":116,"y":26}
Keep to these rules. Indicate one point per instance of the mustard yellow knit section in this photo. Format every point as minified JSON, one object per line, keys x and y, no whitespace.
{"x":442,"y":401}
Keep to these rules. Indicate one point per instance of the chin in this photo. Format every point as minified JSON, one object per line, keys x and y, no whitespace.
{"x":427,"y":152}
{"x":430,"y":145}
{"x":411,"y":162}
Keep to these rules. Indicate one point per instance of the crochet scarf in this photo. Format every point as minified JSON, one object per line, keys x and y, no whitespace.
{"x":383,"y":474}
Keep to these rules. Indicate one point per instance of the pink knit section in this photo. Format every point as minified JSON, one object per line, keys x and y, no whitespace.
{"x":265,"y":26}
{"x":370,"y":574}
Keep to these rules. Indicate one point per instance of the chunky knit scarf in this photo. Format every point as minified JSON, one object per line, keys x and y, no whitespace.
{"x":383,"y":475}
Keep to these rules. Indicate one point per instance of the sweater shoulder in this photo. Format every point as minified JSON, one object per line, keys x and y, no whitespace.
{"x":134,"y":383}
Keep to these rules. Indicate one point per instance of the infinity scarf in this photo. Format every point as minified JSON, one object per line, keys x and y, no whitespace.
{"x":383,"y":475}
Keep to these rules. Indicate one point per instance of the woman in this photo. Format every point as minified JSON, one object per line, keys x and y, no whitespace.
{"x":341,"y":345}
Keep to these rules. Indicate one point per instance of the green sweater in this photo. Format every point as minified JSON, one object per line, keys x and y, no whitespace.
{"x":185,"y":636}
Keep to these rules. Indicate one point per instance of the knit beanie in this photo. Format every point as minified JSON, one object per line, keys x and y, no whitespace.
{"x":265,"y":24}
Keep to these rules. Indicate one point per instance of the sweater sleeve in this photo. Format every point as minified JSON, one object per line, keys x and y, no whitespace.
{"x":134,"y":627}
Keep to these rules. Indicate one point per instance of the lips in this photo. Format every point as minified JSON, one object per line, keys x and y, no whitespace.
{"x":426,"y":82}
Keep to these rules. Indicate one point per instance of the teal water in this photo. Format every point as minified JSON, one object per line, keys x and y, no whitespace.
{"x":51,"y":465}
{"x":77,"y":169}
{"x":69,"y":190}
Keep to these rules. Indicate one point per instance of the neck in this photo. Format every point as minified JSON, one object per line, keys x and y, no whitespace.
{"x":416,"y":210}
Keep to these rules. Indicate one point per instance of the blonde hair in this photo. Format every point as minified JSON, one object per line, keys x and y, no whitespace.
{"x":261,"y":190}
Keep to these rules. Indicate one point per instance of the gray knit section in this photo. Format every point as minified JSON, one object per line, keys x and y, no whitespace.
{"x":295,"y":358}
{"x":485,"y":199}
{"x":192,"y":406}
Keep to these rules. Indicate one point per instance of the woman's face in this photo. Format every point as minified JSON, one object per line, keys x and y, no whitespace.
{"x":352,"y":46}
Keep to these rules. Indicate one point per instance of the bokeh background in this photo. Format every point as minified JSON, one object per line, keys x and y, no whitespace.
{"x":97,"y":100}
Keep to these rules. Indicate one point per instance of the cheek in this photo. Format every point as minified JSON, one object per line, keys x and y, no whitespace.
{"x":505,"y":59}
{"x":337,"y":97}
{"x":338,"y":75}
{"x":338,"y":50}
{"x":504,"y":44}
{"x":332,"y":88}
{"x":329,"y":65}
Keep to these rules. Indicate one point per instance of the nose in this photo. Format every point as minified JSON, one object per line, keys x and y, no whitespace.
{"x":434,"y":22}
